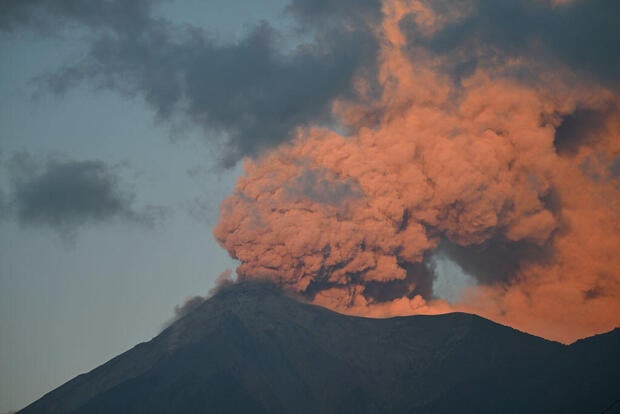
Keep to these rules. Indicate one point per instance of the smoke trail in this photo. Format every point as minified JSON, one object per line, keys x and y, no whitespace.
{"x":505,"y":165}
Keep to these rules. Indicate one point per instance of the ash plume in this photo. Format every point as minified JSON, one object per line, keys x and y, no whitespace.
{"x":504,"y":163}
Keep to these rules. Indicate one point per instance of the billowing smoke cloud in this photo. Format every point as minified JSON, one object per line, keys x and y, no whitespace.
{"x":248,"y":95}
{"x":66,"y":194}
{"x":504,"y":164}
{"x":483,"y":131}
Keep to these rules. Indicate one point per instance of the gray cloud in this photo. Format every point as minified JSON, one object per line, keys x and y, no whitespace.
{"x":247,"y":95}
{"x":585,"y":34}
{"x":67,"y":194}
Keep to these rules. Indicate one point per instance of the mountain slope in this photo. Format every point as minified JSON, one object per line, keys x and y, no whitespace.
{"x":251,"y":349}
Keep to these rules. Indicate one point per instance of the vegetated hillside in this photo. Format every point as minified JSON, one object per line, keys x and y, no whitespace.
{"x":251,"y":349}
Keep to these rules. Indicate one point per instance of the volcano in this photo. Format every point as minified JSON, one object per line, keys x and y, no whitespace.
{"x":252,"y":349}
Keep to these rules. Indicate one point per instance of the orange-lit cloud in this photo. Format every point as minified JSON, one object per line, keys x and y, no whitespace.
{"x":473,"y":164}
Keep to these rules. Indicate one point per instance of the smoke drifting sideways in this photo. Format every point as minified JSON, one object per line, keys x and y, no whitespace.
{"x":193,"y":302}
{"x":499,"y":157}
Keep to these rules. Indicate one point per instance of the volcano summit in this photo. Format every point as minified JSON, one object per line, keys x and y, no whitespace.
{"x":249,"y":348}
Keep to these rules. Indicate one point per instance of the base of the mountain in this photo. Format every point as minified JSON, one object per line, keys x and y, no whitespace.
{"x":250,"y":349}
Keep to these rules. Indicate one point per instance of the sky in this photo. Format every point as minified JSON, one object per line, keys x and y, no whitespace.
{"x":73,"y":296}
{"x":379,"y":158}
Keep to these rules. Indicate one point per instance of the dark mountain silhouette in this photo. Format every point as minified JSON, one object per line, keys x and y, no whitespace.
{"x":250,"y":349}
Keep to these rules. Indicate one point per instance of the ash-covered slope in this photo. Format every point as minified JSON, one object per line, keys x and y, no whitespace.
{"x":251,"y":349}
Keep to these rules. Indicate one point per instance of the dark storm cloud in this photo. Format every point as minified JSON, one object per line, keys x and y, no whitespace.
{"x":585,"y":34}
{"x":248,"y":95}
{"x":66,"y":194}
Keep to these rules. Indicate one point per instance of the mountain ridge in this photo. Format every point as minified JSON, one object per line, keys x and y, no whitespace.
{"x":251,"y":348}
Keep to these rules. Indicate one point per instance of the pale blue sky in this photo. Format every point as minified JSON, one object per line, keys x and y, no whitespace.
{"x":67,"y":306}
